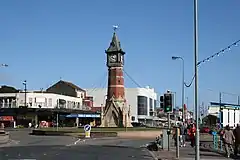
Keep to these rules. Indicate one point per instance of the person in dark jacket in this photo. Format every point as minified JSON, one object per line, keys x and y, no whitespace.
{"x":236,"y":133}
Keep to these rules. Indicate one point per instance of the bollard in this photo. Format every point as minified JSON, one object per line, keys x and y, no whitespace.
{"x":215,"y":140}
{"x":168,"y":133}
{"x":177,"y":144}
{"x":87,"y":129}
{"x":221,"y":145}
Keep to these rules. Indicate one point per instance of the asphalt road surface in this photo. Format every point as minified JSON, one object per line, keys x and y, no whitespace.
{"x":24,"y":146}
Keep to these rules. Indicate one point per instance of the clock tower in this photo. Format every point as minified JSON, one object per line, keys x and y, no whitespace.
{"x":115,"y":62}
{"x":116,"y":113}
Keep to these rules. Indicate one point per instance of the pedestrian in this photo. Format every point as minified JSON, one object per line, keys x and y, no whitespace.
{"x":191,"y":133}
{"x":228,"y":139}
{"x":176,"y":134}
{"x":236,"y":133}
{"x":182,"y":135}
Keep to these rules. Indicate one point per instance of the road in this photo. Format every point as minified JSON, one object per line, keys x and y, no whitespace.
{"x":24,"y":146}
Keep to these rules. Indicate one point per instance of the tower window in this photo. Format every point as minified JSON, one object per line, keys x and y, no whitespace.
{"x":119,"y":81}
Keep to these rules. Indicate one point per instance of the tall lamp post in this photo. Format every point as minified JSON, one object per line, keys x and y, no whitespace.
{"x":25,"y":93}
{"x":197,"y":151}
{"x":183,"y":83}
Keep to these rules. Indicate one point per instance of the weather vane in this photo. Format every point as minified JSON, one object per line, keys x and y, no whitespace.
{"x":115,"y":28}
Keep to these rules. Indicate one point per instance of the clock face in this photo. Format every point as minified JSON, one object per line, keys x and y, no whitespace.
{"x":121,"y":58}
{"x":113,"y":58}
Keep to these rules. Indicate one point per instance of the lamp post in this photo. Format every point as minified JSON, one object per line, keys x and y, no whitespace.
{"x":197,"y":151}
{"x":25,"y":93}
{"x":183,"y":83}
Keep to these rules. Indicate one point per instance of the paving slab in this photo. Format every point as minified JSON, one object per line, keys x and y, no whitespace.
{"x":186,"y":153}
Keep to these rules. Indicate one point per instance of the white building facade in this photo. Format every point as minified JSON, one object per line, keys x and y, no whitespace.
{"x":228,"y":115}
{"x":40,"y":100}
{"x":142,"y":101}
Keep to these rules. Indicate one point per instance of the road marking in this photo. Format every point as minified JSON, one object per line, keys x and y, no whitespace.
{"x":75,"y":143}
{"x":14,"y":141}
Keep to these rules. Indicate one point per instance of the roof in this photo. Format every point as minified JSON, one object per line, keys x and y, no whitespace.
{"x":222,"y":104}
{"x":8,"y":89}
{"x":71,"y":85}
{"x":115,"y":45}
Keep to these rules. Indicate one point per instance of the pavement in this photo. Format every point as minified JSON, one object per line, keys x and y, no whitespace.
{"x":207,"y":152}
{"x":25,"y":146}
{"x":187,"y":153}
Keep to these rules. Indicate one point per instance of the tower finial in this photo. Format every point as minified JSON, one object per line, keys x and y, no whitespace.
{"x":115,"y":27}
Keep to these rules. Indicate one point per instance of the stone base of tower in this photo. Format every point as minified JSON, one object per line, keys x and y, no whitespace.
{"x":115,"y":114}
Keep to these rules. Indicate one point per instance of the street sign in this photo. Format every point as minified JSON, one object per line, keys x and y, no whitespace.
{"x":87,"y":128}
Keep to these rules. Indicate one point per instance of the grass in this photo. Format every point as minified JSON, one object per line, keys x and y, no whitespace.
{"x":81,"y":130}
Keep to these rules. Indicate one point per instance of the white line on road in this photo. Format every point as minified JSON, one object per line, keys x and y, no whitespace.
{"x":75,"y":143}
{"x":14,"y":141}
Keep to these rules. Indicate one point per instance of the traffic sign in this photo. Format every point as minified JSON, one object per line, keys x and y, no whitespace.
{"x":87,"y":128}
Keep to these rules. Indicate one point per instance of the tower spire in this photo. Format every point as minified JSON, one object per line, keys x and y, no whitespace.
{"x":115,"y":45}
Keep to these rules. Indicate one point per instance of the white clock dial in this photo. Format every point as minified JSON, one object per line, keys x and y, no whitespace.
{"x":113,"y":58}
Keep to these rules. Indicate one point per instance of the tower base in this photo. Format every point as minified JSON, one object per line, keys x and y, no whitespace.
{"x":115,"y":115}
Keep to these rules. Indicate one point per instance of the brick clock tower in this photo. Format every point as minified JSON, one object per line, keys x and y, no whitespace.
{"x":116,"y":113}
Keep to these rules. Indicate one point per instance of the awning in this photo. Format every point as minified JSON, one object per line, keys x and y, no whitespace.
{"x":83,"y":116}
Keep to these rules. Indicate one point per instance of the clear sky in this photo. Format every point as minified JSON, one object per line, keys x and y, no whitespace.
{"x":45,"y":40}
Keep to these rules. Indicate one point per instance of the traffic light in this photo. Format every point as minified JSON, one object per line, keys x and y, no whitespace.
{"x":168,"y":105}
{"x":161,"y":101}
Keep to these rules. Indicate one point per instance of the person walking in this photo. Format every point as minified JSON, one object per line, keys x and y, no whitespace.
{"x":236,"y":133}
{"x":183,"y":134}
{"x":228,"y":139}
{"x":176,"y":134}
{"x":191,"y":133}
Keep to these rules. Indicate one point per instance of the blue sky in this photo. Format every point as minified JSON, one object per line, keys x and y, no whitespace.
{"x":45,"y":40}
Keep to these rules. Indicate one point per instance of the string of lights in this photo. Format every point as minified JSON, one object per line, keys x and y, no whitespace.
{"x":189,"y":85}
{"x":228,"y":48}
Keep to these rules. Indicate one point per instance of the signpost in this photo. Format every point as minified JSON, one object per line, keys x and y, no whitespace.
{"x":87,"y":129}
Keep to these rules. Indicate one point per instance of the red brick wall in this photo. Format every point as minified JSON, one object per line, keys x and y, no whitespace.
{"x":116,"y":83}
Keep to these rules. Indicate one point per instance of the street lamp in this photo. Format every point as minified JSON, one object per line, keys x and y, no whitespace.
{"x":25,"y":93}
{"x":183,"y":83}
{"x":197,"y":151}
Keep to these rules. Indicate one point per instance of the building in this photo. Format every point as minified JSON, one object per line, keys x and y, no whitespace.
{"x":63,"y":99}
{"x":142,"y":102}
{"x":61,"y":95}
{"x":40,"y":100}
{"x":226,"y":114}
